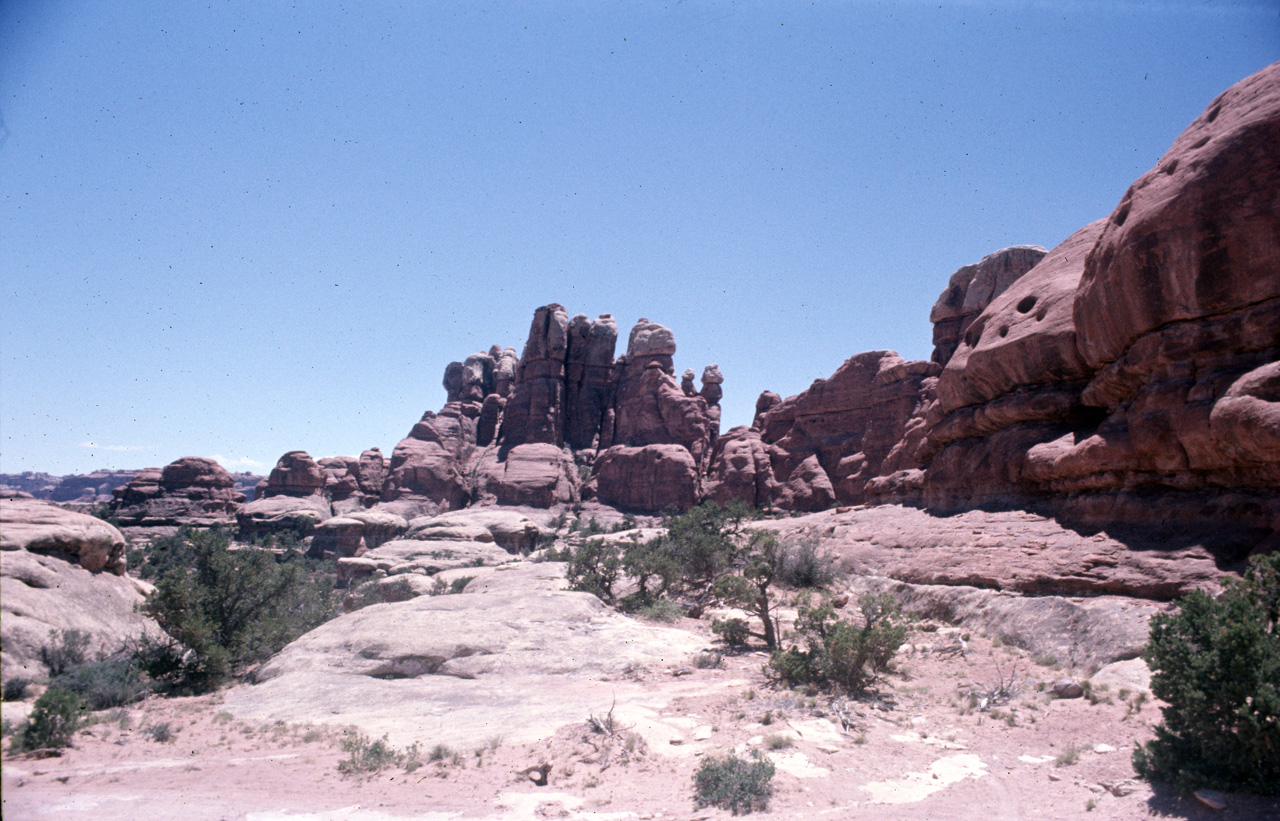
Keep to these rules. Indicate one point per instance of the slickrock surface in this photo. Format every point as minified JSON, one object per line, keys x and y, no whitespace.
{"x":515,"y":655}
{"x":47,"y":584}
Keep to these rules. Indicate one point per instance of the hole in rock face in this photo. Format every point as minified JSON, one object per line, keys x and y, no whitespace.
{"x":1026,"y":304}
{"x":973,"y":335}
{"x":1004,"y":331}
{"x":1122,"y":213}
{"x":1040,"y":314}
{"x":1213,"y":113}
{"x":1200,"y":143}
{"x":407,"y":667}
{"x":1171,"y":166}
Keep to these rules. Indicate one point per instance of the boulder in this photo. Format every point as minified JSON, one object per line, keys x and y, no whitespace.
{"x":36,"y":526}
{"x":537,"y":475}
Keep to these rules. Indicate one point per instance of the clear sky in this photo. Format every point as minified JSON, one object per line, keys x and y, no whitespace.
{"x":240,"y":227}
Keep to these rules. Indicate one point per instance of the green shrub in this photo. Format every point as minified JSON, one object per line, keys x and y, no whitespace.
{"x":54,"y":719}
{"x":733,"y":631}
{"x":15,"y":689}
{"x":735,"y":784}
{"x":365,"y":756}
{"x":663,"y":610}
{"x":594,"y":568}
{"x":65,"y":649}
{"x":839,"y":652}
{"x":114,"y":681}
{"x":1217,"y":665}
{"x":803,"y":566}
{"x":459,"y":584}
{"x":227,"y":609}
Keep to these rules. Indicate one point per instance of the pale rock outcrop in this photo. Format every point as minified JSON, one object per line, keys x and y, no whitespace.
{"x":192,"y":491}
{"x":42,"y":595}
{"x":37,"y":526}
{"x":460,"y":667}
{"x":61,"y":570}
{"x":356,"y":532}
{"x":509,"y":529}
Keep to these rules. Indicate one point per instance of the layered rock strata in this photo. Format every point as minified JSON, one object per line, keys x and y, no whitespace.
{"x":192,"y":491}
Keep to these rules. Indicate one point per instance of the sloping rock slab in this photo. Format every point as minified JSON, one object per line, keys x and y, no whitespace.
{"x":43,"y":594}
{"x":514,"y":656}
{"x":1006,"y":550}
{"x":431,"y":557}
{"x":1084,"y":634}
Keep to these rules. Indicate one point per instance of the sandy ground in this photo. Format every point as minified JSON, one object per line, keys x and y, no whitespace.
{"x":915,"y":748}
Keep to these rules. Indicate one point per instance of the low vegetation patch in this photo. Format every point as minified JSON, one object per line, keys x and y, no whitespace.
{"x":839,"y":652}
{"x":365,"y":756}
{"x":740,"y":785}
{"x":54,"y":719}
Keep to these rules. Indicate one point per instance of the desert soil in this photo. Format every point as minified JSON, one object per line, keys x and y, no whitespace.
{"x":917,"y":747}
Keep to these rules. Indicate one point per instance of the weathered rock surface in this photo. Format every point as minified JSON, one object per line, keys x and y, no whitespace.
{"x":37,"y":526}
{"x":292,"y":499}
{"x":649,"y":478}
{"x":48,"y":583}
{"x":356,"y":532}
{"x":823,"y":445}
{"x":1014,"y":551}
{"x":514,"y":655}
{"x":44,"y":594}
{"x":86,"y":488}
{"x":971,"y":289}
{"x":1130,"y":376}
{"x":509,"y":529}
{"x":191,"y":491}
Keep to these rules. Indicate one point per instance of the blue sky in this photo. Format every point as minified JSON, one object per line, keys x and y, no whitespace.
{"x":234,"y":229}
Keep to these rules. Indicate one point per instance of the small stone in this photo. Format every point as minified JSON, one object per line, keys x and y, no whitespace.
{"x":1212,"y":799}
{"x":1103,"y":748}
{"x":1067,"y":688}
{"x":1054,"y":777}
{"x":702,"y":733}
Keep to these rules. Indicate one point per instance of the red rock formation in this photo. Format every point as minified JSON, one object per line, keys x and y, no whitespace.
{"x":650,"y":478}
{"x":971,"y":289}
{"x":192,"y":491}
{"x":1131,"y":376}
{"x":821,"y":446}
{"x":292,"y":499}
